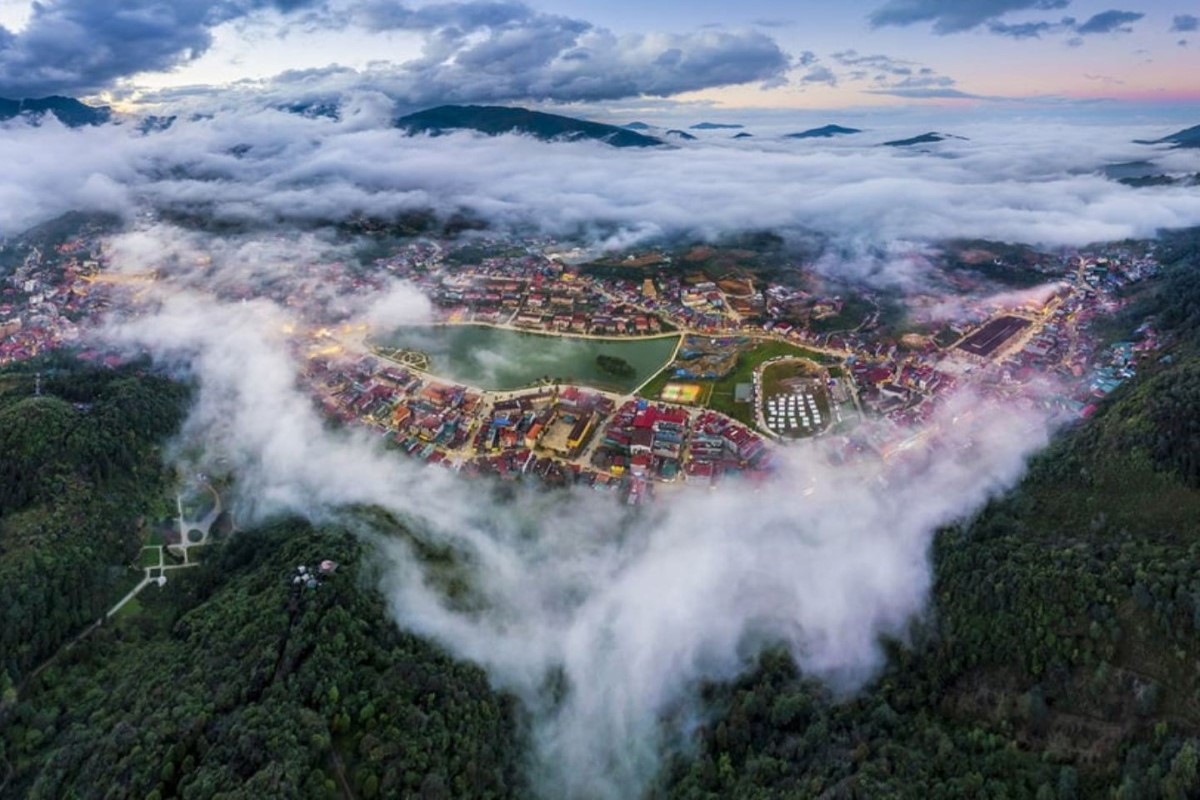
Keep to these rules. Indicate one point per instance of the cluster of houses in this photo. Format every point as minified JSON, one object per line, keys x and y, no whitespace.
{"x":47,"y":295}
{"x":565,"y":435}
{"x":533,"y":290}
{"x":656,"y":442}
{"x":896,"y":385}
{"x":423,"y":418}
{"x":906,"y":384}
{"x":719,"y":446}
{"x":559,"y":421}
{"x":530,"y":292}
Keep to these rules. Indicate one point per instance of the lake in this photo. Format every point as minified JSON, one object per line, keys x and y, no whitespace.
{"x":498,"y":359}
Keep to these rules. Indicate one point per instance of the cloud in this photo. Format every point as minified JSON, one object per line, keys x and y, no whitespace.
{"x":52,"y":169}
{"x":925,"y":85}
{"x":485,"y":52}
{"x":820,"y":74}
{"x":1185,"y":23}
{"x":927,"y":93}
{"x":781,"y":22}
{"x":894,"y":76}
{"x":471,"y":52}
{"x":81,"y":46}
{"x":1031,"y":30}
{"x":953,"y":16}
{"x":950,"y":16}
{"x":1109,"y":22}
{"x":267,"y":168}
{"x":852,"y":58}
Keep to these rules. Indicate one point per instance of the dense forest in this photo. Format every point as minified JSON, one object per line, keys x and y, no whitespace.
{"x":79,"y":472}
{"x":1060,"y":657}
{"x":237,"y":683}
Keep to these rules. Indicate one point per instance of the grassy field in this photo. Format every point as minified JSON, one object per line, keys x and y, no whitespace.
{"x":718,"y":395}
{"x":654,"y":386}
{"x":148,"y":557}
{"x":721,"y":398}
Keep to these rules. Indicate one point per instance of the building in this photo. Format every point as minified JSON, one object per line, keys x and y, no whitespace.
{"x":580,"y":431}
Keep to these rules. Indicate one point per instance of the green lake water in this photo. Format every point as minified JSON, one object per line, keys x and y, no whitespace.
{"x":493,"y":358}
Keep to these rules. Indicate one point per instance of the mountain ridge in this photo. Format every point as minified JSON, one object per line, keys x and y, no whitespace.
{"x":1188,"y":138}
{"x":497,"y":120}
{"x":68,"y":110}
{"x":824,"y":132}
{"x":933,"y":137}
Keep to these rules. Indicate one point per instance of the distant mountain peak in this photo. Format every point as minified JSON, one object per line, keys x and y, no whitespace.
{"x":637,"y":126}
{"x":1186,"y":138}
{"x":743,"y":135}
{"x":716,"y":126}
{"x":932,"y":137}
{"x":824,"y":132}
{"x":497,"y":120}
{"x":67,"y":110}
{"x":681,"y":134}
{"x":314,"y":109}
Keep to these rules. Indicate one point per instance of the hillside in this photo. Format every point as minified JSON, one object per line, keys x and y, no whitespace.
{"x":496,"y":120}
{"x":231,"y":681}
{"x":69,"y":111}
{"x":78,"y":470}
{"x":824,"y":132}
{"x":932,"y":137}
{"x":1187,"y":138}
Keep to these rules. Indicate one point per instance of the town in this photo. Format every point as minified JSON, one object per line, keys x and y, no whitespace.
{"x":757,"y":358}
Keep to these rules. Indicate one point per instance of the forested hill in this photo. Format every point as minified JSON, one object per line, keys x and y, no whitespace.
{"x":497,"y":120}
{"x":79,"y":470}
{"x":234,"y":683}
{"x":1061,"y":658}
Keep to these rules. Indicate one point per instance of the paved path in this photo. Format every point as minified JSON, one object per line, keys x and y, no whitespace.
{"x":155,"y":573}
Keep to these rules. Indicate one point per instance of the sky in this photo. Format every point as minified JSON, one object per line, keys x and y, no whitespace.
{"x":615,"y":55}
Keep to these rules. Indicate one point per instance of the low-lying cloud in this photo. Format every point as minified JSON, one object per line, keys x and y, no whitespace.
{"x":1022,"y":182}
{"x":628,"y":615}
